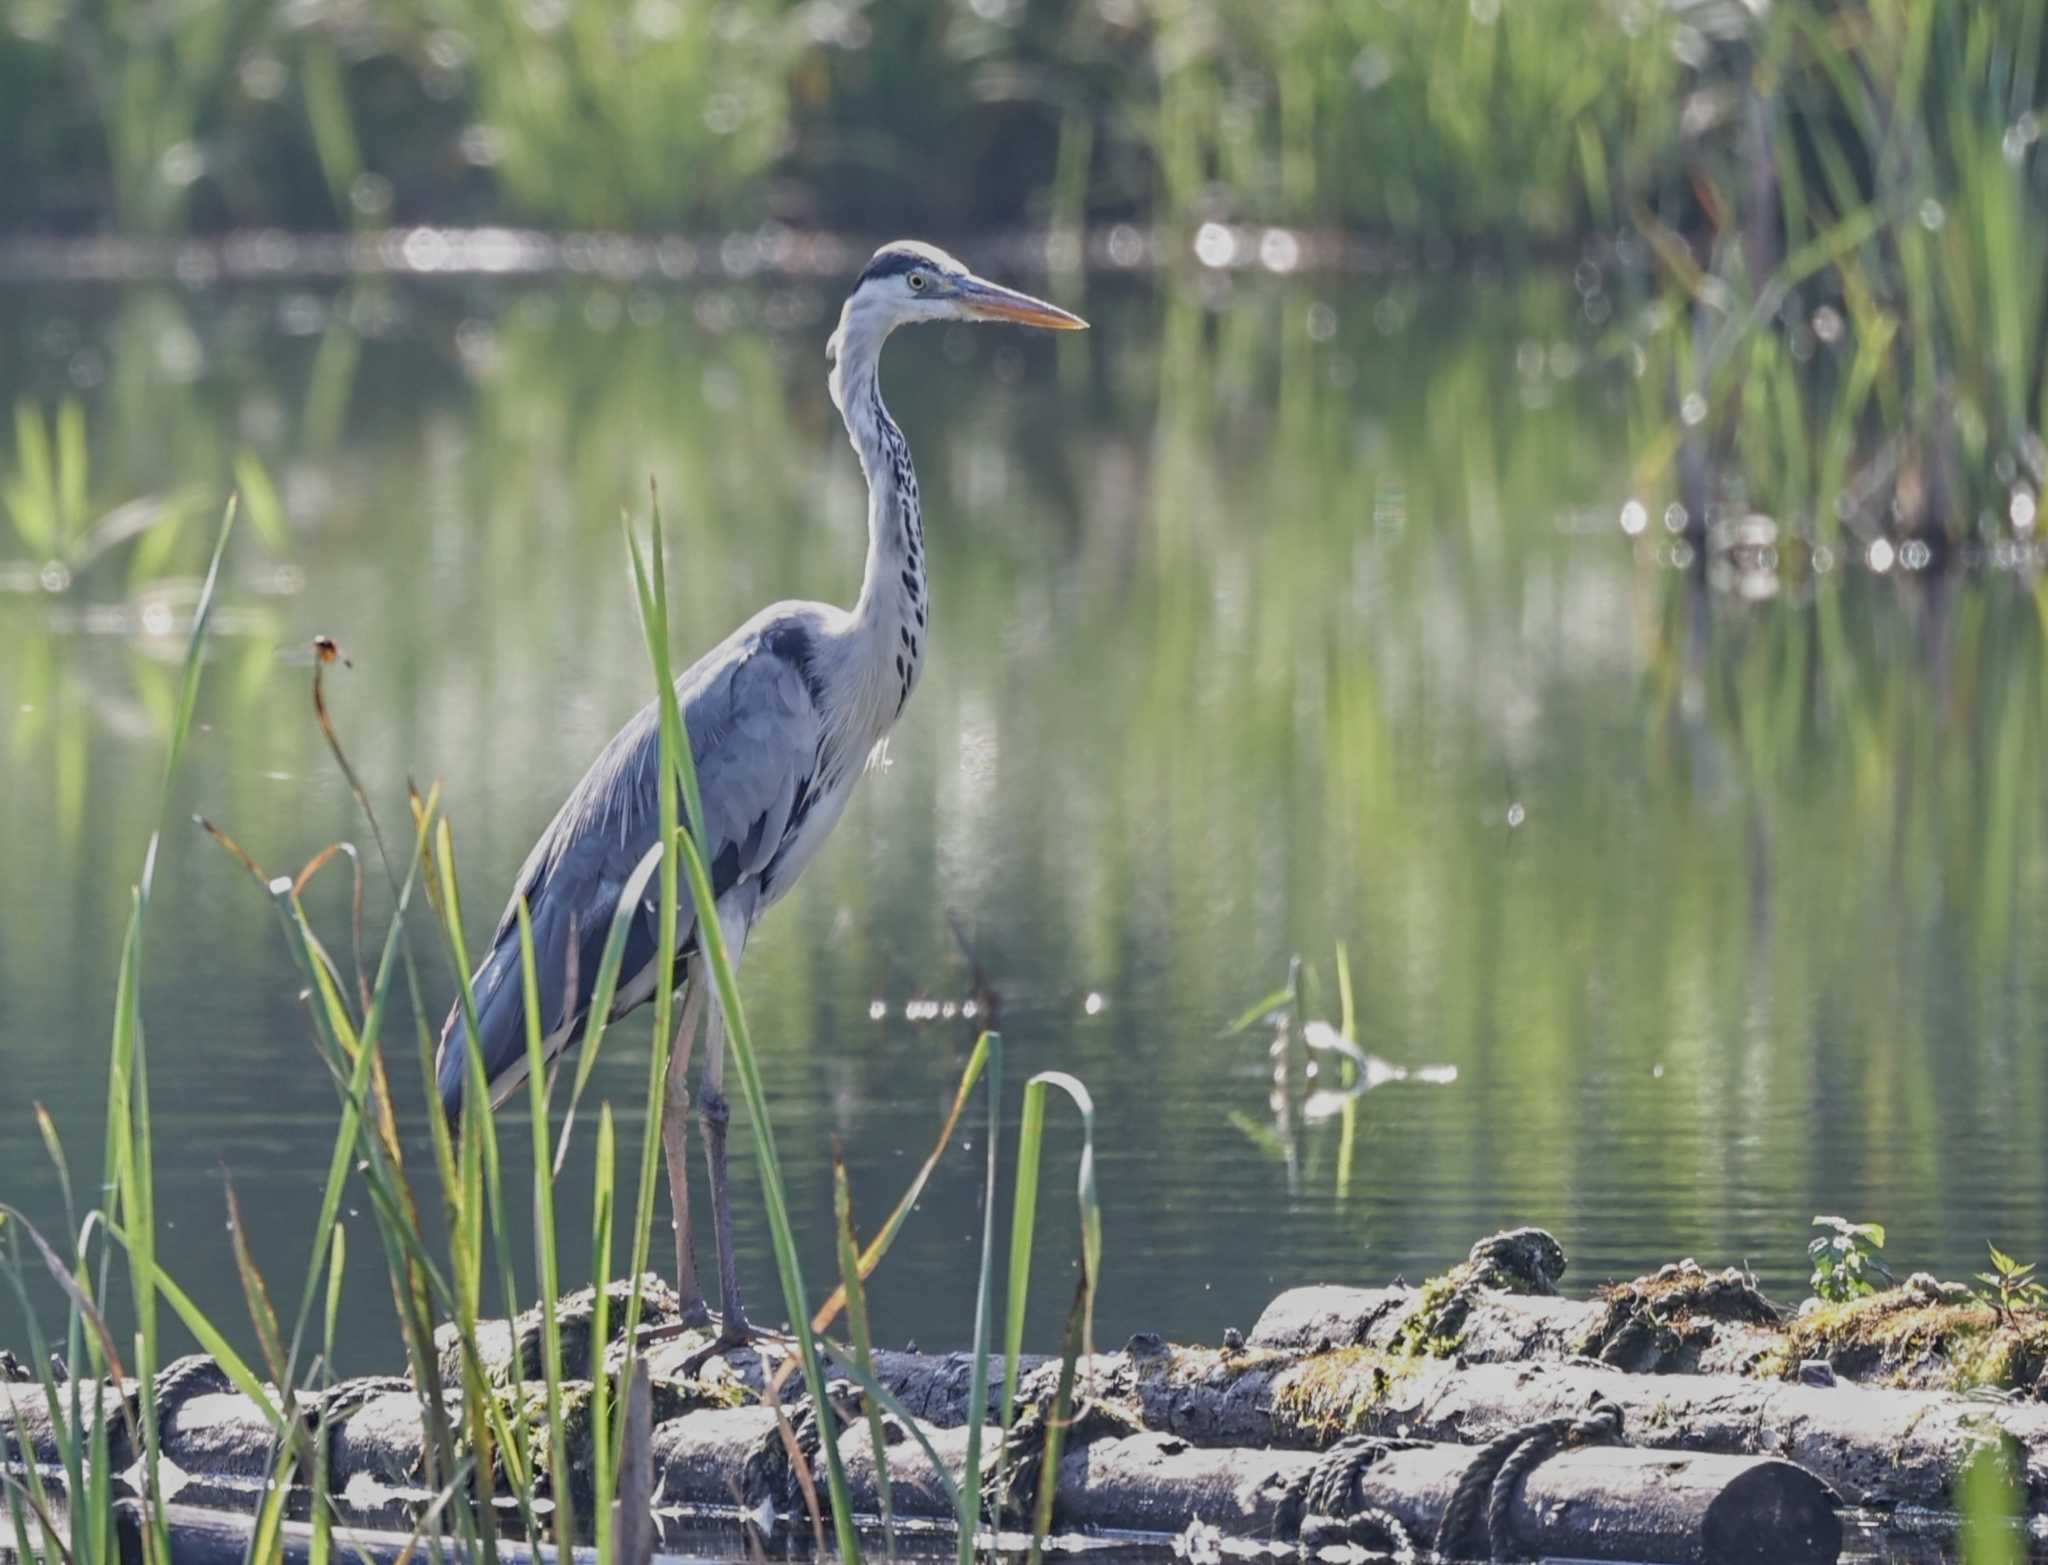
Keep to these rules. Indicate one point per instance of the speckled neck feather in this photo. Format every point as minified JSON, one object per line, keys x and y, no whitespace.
{"x":891,"y":617}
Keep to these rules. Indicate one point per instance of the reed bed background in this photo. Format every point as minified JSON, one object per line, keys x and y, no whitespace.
{"x":1504,"y":121}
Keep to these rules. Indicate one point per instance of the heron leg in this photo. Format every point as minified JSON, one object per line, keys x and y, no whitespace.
{"x":675,"y":1135}
{"x":711,"y":1106}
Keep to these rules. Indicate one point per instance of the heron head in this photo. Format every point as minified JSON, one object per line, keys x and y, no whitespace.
{"x":907,"y":282}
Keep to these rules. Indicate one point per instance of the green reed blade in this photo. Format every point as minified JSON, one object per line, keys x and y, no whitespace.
{"x":1256,"y":1013}
{"x":559,"y":1486}
{"x":32,"y":495}
{"x":984,"y":1311}
{"x":711,"y":934}
{"x":322,"y":1505}
{"x":1023,"y":1224}
{"x":605,"y":1479}
{"x":880,"y":1395}
{"x":654,"y":629}
{"x":677,"y":762}
{"x":72,"y":466}
{"x":863,"y":1351}
{"x":366,"y":1054}
{"x":605,"y":987}
{"x":266,"y":1537}
{"x":1073,"y":1347}
{"x":212,"y":1342}
{"x":1023,"y":1221}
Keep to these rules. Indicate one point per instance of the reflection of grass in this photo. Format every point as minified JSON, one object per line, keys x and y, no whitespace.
{"x":47,"y":496}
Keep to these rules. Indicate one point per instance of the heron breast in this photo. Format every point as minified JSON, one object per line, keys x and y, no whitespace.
{"x":806,"y":836}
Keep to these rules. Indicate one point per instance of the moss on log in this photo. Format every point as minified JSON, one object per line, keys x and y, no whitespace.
{"x":1923,"y":1335}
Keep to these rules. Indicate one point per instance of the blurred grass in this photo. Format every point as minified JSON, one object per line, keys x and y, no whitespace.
{"x":1518,"y":119}
{"x":1851,"y":335}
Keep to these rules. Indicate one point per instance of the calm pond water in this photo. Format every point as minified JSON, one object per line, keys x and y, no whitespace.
{"x":1269,"y":614}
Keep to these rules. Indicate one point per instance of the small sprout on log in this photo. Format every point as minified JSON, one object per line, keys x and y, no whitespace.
{"x":1848,"y":1258}
{"x":1926,"y":1334}
{"x":2010,"y":1288}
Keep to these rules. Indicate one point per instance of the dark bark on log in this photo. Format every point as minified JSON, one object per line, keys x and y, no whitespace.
{"x":1597,"y":1503}
{"x":633,"y":1509}
{"x":933,"y":1387}
{"x":1641,"y":1504}
{"x":728,"y":1456}
{"x":1875,"y":1447}
{"x":1590,"y":1504}
{"x":209,"y":1537}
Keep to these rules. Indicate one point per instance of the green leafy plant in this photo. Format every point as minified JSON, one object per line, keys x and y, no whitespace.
{"x":2010,"y":1287}
{"x":1848,"y":1258}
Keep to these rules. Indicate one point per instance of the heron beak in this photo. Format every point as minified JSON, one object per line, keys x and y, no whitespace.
{"x":986,"y":301}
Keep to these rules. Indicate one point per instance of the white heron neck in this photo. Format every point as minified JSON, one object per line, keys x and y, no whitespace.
{"x":890,"y":620}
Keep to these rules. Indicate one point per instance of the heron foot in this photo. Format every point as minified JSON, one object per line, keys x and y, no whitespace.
{"x":735,"y":1330}
{"x":694,"y":1315}
{"x":732,"y":1336}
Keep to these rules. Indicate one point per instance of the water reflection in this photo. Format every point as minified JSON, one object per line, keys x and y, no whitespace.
{"x":1269,"y":614}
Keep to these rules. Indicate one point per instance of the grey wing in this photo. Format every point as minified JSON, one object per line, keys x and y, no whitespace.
{"x":751,"y":709}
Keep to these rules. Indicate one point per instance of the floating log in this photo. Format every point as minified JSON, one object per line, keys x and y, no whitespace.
{"x":1617,"y":1503}
{"x":1500,"y":1306}
{"x":1875,"y":1447}
{"x":1691,"y":1321}
{"x":201,"y":1536}
{"x":1592,"y":1503}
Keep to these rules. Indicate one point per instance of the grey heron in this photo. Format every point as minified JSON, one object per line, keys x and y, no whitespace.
{"x":783,"y":717}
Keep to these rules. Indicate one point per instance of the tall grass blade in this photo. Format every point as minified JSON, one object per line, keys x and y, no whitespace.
{"x":1073,"y":1346}
{"x":984,"y":1311}
{"x":559,"y":1486}
{"x":863,"y":1348}
{"x":654,"y":627}
{"x":1080,"y":1329}
{"x":323,"y":1510}
{"x":605,"y":1480}
{"x":604,"y":987}
{"x":130,"y":1156}
{"x":677,"y":759}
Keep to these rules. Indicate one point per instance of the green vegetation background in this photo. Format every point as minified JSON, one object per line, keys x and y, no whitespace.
{"x":1522,"y":117}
